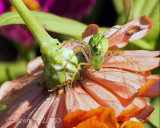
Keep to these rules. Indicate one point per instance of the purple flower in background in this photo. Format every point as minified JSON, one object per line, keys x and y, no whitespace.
{"x":66,"y":8}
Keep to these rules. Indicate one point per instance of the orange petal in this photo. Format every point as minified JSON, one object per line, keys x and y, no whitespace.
{"x":73,"y":119}
{"x":91,"y":29}
{"x":133,"y":30}
{"x":92,"y":123}
{"x":151,"y":89}
{"x":109,"y":118}
{"x":132,"y":124}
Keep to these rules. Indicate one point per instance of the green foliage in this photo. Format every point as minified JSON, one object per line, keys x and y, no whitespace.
{"x":14,"y":68}
{"x":2,"y":107}
{"x":155,"y":116}
{"x":50,"y":22}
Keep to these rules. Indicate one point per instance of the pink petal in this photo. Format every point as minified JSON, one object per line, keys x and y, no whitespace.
{"x":154,"y":89}
{"x":78,"y":98}
{"x":145,"y":112}
{"x":24,"y":103}
{"x":118,"y":46}
{"x":133,"y":109}
{"x":131,"y":31}
{"x":19,"y":87}
{"x":123,"y":83}
{"x":138,"y":63}
{"x":38,"y":116}
{"x":35,"y":65}
{"x":55,"y":115}
{"x":141,"y":53}
{"x":103,"y":96}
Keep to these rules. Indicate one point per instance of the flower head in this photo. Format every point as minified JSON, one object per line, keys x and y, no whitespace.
{"x":120,"y":85}
{"x":70,"y":9}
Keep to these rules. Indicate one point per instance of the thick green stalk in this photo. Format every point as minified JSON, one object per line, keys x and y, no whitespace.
{"x":37,"y":30}
{"x":60,"y":64}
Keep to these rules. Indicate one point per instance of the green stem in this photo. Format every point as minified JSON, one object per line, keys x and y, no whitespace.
{"x":43,"y":38}
{"x":55,"y":57}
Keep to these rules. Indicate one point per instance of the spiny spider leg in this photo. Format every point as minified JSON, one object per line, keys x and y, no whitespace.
{"x":79,"y":49}
{"x":80,"y":64}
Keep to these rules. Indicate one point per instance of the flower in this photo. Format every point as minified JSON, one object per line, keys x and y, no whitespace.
{"x":118,"y":85}
{"x":97,"y":118}
{"x":70,"y":9}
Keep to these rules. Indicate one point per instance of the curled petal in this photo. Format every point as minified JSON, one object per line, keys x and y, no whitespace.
{"x":133,"y":109}
{"x":118,"y":46}
{"x":123,"y":83}
{"x":35,"y":65}
{"x":151,"y":89}
{"x":91,"y":29}
{"x":131,"y":31}
{"x":145,"y":112}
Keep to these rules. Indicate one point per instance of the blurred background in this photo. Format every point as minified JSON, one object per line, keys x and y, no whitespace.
{"x":18,"y":47}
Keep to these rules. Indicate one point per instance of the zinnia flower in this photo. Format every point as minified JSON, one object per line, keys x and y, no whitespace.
{"x":66,"y":8}
{"x":118,"y":85}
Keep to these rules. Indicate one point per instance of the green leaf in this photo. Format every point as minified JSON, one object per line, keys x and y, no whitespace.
{"x":155,"y":117}
{"x":51,"y":22}
{"x":16,"y":68}
{"x":2,"y":107}
{"x":149,"y":125}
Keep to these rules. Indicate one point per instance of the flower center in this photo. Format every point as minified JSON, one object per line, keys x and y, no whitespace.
{"x":31,"y":4}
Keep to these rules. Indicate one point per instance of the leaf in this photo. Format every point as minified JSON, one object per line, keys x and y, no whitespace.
{"x":15,"y":68}
{"x":49,"y":21}
{"x":2,"y":107}
{"x":155,"y":117}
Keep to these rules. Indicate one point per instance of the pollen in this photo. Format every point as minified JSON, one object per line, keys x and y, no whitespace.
{"x":31,"y":4}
